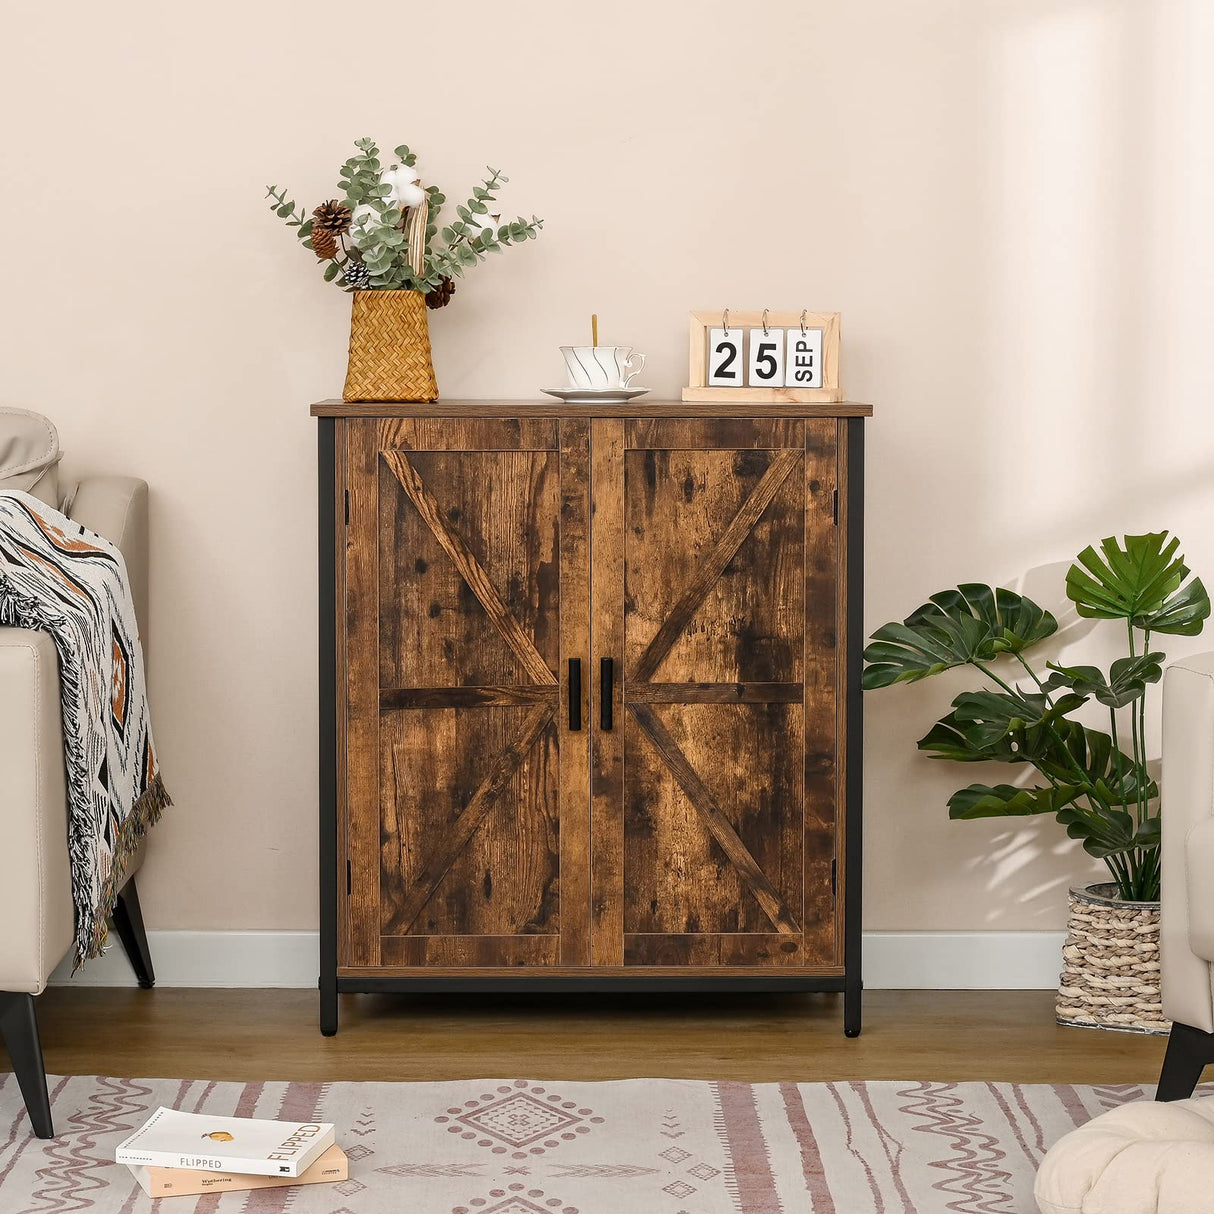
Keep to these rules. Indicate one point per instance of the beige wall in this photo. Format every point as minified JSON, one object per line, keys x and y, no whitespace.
{"x":1008,"y":200}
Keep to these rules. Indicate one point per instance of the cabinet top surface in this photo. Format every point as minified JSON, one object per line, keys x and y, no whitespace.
{"x":555,"y":408}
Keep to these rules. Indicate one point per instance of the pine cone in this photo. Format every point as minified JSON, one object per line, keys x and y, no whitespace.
{"x":332,"y":216}
{"x":324,"y":244}
{"x":440,"y":297}
{"x":356,"y":276}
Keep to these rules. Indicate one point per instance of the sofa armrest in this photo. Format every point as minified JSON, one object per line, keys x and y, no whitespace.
{"x":1199,"y":884}
{"x":1187,"y":808}
{"x":116,"y":507}
{"x":35,"y":879}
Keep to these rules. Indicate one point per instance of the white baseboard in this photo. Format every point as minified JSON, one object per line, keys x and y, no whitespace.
{"x":892,"y":960}
{"x":962,"y":961}
{"x":208,"y":959}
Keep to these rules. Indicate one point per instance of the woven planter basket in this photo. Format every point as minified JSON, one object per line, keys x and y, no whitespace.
{"x":390,"y":348}
{"x":1110,"y":964}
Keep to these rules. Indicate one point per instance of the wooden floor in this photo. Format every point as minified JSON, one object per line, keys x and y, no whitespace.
{"x":272,"y":1034}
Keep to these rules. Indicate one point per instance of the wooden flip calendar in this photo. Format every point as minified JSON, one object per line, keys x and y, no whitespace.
{"x":765,"y":357}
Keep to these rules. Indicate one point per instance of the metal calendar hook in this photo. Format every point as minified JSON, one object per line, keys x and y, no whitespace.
{"x":803,"y":311}
{"x":765,"y":311}
{"x":725,"y":321}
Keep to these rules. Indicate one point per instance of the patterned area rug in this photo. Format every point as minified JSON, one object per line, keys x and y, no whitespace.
{"x":640,"y":1146}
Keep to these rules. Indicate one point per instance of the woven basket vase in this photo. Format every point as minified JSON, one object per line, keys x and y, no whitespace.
{"x":390,"y":348}
{"x":1110,"y":964}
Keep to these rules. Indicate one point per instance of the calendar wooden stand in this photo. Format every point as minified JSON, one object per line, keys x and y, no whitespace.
{"x":750,"y":330}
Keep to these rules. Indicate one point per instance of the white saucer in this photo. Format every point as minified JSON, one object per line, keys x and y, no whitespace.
{"x":595,"y":396}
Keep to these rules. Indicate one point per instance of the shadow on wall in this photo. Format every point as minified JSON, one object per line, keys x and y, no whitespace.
{"x":1026,"y":862}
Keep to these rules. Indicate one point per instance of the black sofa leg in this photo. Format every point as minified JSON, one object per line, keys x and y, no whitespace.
{"x":1189,"y":1052}
{"x":128,"y":919}
{"x":19,"y":1026}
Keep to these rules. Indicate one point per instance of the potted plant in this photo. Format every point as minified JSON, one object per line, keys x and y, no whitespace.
{"x":1101,"y":792}
{"x":380,"y":241}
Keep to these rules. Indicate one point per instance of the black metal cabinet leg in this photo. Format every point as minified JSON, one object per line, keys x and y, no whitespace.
{"x":128,"y":919}
{"x":853,"y":940}
{"x":1189,"y":1052}
{"x":19,"y":1026}
{"x":328,"y":1006}
{"x":852,"y":1009}
{"x":327,"y":522}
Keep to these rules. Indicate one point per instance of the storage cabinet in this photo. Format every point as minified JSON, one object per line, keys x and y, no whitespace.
{"x":589,"y":698}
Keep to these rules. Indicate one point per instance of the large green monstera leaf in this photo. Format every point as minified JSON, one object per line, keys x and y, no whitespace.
{"x":994,"y":726}
{"x":1007,"y":801}
{"x":1126,"y":681}
{"x":973,"y":623}
{"x":1142,"y":582}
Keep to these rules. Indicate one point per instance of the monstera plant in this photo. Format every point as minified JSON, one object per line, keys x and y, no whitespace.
{"x":1096,"y":783}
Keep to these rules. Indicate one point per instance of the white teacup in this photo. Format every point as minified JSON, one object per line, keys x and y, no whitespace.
{"x":601,"y":366}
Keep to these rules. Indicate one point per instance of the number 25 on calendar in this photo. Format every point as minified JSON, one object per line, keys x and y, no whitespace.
{"x":759,"y":358}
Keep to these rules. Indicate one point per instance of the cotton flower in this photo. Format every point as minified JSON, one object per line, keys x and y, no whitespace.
{"x":403,"y":182}
{"x":365,"y":215}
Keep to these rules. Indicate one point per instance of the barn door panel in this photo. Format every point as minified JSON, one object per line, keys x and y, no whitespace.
{"x":463,"y":781}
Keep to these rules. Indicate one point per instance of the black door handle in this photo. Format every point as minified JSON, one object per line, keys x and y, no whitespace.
{"x":606,"y":691}
{"x":575,"y":694}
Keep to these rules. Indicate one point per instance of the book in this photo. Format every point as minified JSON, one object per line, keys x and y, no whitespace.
{"x":206,"y":1143}
{"x":184,"y":1182}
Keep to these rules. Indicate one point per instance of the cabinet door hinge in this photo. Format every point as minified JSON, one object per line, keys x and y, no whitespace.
{"x":348,"y":508}
{"x":834,"y":878}
{"x":349,"y":879}
{"x":834,"y":507}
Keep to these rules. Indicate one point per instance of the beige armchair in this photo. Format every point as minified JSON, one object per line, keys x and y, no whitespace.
{"x":35,"y":883}
{"x":1187,"y":936}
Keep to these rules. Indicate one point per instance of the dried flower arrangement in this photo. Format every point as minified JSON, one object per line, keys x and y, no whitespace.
{"x":381,"y":234}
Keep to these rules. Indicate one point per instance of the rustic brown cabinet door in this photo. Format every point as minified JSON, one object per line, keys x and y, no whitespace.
{"x":467,"y":595}
{"x":715,"y":595}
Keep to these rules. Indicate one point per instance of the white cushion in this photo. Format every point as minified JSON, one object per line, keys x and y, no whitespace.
{"x":29,"y":454}
{"x":1141,"y":1158}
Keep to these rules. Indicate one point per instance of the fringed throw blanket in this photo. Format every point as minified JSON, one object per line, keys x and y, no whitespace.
{"x":60,"y":578}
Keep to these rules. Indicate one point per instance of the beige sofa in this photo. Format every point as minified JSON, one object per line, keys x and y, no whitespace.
{"x":1187,"y":937}
{"x":35,"y":886}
